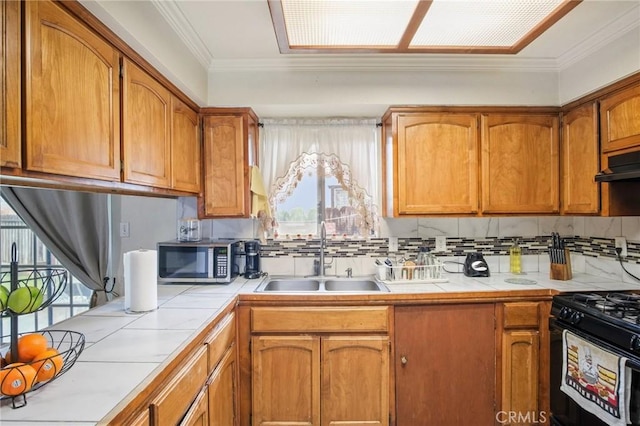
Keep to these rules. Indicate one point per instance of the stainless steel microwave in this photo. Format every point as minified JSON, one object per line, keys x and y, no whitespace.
{"x":206,"y":261}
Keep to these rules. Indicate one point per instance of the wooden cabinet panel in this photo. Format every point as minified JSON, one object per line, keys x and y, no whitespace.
{"x":222,"y":391}
{"x":220,"y":339}
{"x":198,"y":414}
{"x":72,"y":103}
{"x":437,"y":163}
{"x":146,"y":128}
{"x":445,"y":365}
{"x":142,"y":419}
{"x":619,"y":123}
{"x":520,"y":163}
{"x":226,"y":166}
{"x":580,"y":161}
{"x":174,"y":400}
{"x":353,"y":392}
{"x":520,"y":371}
{"x":343,"y":319}
{"x":286,"y":377}
{"x":10,"y":97}
{"x":186,"y":168}
{"x":521,"y":315}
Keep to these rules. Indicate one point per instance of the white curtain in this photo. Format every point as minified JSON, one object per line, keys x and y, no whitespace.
{"x":354,"y":141}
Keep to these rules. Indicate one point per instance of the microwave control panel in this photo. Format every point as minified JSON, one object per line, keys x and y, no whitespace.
{"x":220,"y":259}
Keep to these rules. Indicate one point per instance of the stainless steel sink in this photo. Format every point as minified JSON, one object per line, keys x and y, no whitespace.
{"x":319,"y":285}
{"x":291,"y":285}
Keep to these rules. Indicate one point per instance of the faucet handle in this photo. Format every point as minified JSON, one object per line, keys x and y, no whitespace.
{"x":349,"y":272}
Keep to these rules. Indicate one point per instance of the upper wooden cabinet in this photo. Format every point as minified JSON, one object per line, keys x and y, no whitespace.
{"x":619,"y":123}
{"x":146,"y":123}
{"x":230,"y":138}
{"x":580,"y":160}
{"x":520,"y":163}
{"x":436,"y":163}
{"x":10,"y":142}
{"x":72,"y":103}
{"x":186,"y":164}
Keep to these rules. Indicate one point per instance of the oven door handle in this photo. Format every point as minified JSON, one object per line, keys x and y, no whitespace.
{"x":556,"y":326}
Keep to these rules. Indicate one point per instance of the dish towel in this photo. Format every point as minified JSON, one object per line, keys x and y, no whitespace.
{"x":259,"y":205}
{"x":596,"y":379}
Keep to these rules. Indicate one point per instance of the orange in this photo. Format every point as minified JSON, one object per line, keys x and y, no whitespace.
{"x":31,"y":345}
{"x":47,"y":364}
{"x":16,"y":378}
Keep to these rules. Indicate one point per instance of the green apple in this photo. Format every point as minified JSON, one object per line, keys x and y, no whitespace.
{"x":4,"y":296}
{"x":24,"y":300}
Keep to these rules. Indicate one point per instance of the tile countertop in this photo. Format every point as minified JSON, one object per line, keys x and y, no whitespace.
{"x":123,"y":352}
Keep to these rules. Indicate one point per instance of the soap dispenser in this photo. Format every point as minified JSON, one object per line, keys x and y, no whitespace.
{"x":515,"y":258}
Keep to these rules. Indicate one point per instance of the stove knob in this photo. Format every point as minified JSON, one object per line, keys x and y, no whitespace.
{"x":564,"y":313}
{"x":575,"y":318}
{"x":634,"y":344}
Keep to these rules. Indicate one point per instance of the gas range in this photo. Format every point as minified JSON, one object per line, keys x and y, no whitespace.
{"x":613,"y":317}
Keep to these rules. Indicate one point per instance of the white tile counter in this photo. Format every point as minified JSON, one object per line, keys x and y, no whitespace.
{"x":124,"y":351}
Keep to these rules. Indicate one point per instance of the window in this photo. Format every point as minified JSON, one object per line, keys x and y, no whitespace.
{"x":321,"y":170}
{"x":32,"y":253}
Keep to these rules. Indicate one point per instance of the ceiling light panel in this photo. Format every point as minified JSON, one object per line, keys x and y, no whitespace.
{"x":481,"y":22}
{"x":344,"y":23}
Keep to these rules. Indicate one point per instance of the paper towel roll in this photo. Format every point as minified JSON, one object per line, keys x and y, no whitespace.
{"x":140,"y":280}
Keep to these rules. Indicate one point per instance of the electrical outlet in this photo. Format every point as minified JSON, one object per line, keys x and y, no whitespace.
{"x":393,"y":244}
{"x":441,"y":243}
{"x":622,"y":243}
{"x":124,"y":229}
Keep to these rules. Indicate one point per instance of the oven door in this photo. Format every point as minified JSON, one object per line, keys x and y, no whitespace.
{"x":564,"y":410}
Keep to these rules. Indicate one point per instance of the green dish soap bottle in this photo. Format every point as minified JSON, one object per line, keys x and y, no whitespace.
{"x":515,"y":258}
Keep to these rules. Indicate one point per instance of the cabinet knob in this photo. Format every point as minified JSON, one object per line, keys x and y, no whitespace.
{"x":403,"y":360}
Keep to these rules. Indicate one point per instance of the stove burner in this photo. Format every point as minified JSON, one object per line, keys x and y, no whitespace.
{"x":587,"y":299}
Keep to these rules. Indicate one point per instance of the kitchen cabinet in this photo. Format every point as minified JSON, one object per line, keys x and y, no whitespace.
{"x":146,"y":122}
{"x":72,"y":96}
{"x":580,"y":160}
{"x":230,"y":138}
{"x":309,"y":367}
{"x":435,"y":163}
{"x":186,"y":170}
{"x":222,"y":391}
{"x":445,"y":364}
{"x":619,"y":123}
{"x":10,"y":98}
{"x":520,"y":163}
{"x":524,"y":370}
{"x":142,"y":419}
{"x":198,"y":414}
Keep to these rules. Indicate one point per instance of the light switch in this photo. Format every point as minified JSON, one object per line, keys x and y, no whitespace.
{"x":124,"y":229}
{"x":393,"y":244}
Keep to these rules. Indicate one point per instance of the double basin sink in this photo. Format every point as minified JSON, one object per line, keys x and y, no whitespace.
{"x":320,"y":285}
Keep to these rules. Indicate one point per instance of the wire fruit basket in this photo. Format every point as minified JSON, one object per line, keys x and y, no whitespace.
{"x":32,"y":360}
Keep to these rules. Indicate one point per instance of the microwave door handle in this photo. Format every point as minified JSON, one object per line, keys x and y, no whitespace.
{"x":211,"y":260}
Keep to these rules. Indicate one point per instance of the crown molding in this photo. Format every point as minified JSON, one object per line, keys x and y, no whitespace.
{"x":616,"y":29}
{"x":171,"y":12}
{"x":389,"y":63}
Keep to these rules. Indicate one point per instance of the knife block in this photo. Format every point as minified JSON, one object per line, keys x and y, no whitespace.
{"x":561,"y":271}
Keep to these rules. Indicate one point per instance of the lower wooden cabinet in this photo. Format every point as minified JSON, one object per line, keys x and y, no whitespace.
{"x":445,"y":364}
{"x":222,"y":390}
{"x":198,"y":414}
{"x":524,"y":370}
{"x":309,"y":367}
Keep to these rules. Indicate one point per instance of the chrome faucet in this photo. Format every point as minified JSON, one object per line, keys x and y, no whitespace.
{"x":323,"y":245}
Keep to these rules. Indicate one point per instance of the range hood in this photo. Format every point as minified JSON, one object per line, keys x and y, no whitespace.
{"x":622,"y":167}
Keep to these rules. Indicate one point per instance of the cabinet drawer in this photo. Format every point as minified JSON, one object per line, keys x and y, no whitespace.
{"x":220,"y":339}
{"x":176,"y":397}
{"x":521,"y":315}
{"x":320,"y":319}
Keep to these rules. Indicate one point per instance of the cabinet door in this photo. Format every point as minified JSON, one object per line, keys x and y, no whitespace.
{"x":72,"y":96}
{"x":580,"y":161}
{"x":222,"y":391}
{"x":520,"y":163}
{"x":226,"y":169}
{"x":445,"y":365}
{"x":619,"y":124}
{"x":355,"y":380}
{"x":520,"y":372}
{"x":198,"y":414}
{"x":10,"y":84}
{"x":285,"y":380}
{"x":185,"y":147}
{"x":146,"y":128}
{"x":437,"y":164}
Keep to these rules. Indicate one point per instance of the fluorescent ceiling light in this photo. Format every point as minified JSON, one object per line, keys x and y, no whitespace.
{"x":412,"y":26}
